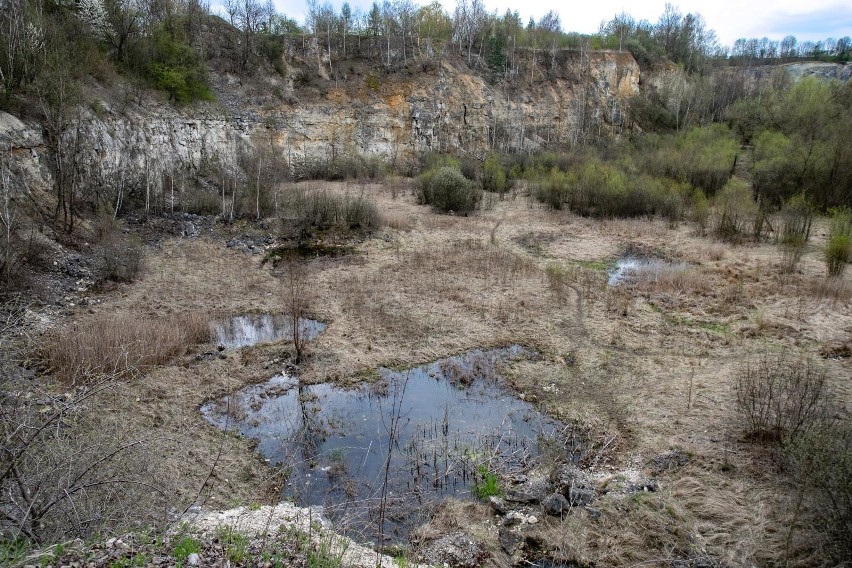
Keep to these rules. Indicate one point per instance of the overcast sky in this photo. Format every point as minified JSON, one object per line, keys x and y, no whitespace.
{"x":731,"y":19}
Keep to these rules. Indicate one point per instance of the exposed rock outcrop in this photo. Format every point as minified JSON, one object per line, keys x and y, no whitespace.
{"x":570,"y":97}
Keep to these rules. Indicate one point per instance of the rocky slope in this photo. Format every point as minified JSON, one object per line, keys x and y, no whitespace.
{"x":565,"y":98}
{"x":556,"y":99}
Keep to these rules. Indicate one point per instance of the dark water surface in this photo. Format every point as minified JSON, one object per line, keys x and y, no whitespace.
{"x":411,"y":438}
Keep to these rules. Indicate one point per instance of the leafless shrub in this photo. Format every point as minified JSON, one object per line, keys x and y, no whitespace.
{"x":120,"y":345}
{"x":118,"y":257}
{"x":779,"y":397}
{"x":310,"y":211}
{"x":297,"y":299}
{"x":68,"y":469}
{"x":822,"y":460}
{"x":66,"y":473}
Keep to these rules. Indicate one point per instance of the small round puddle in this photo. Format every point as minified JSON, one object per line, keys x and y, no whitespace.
{"x":631,"y":268}
{"x":250,"y":329}
{"x":448,"y":418}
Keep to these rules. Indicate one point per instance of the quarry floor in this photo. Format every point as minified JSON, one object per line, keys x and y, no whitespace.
{"x":647,"y":367}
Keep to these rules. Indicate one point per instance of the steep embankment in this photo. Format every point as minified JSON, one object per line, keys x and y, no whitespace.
{"x":564,"y":98}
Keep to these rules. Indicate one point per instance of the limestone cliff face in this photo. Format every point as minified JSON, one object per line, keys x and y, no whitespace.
{"x":567,"y":98}
{"x":563,"y":98}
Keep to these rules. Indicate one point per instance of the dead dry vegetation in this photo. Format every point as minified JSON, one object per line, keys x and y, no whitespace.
{"x":650,"y":366}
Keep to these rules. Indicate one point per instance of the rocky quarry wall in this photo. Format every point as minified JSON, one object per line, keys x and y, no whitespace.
{"x":568,"y":98}
{"x":564,"y":98}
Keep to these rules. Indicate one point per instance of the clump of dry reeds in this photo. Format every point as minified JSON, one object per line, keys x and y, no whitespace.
{"x":120,"y":345}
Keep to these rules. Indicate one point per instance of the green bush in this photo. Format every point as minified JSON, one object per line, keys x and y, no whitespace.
{"x":838,"y":252}
{"x":448,"y":190}
{"x":488,"y":485}
{"x":796,"y":221}
{"x":553,"y":189}
{"x":593,"y":188}
{"x":700,"y":210}
{"x":494,"y":177}
{"x":703,"y":157}
{"x":797,"y":216}
{"x":736,"y":211}
{"x":177,"y":68}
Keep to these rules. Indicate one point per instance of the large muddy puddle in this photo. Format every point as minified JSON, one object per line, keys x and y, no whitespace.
{"x":250,"y":329}
{"x":388,"y":448}
{"x":637,"y":268}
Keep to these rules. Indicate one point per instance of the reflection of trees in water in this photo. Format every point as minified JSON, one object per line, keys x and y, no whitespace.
{"x":311,"y":433}
{"x":388,"y":507}
{"x":308,"y":437}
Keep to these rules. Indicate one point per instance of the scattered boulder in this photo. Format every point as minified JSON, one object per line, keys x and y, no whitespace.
{"x":568,"y":476}
{"x":520,"y":496}
{"x":510,"y":541}
{"x":456,"y":550}
{"x":669,"y":461}
{"x":646,"y":485}
{"x":531,"y":490}
{"x":575,"y":484}
{"x":498,"y":505}
{"x":555,"y":504}
{"x":250,"y":244}
{"x":580,"y":497}
{"x":513,"y":518}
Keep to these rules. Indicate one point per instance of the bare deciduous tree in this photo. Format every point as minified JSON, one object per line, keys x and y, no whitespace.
{"x":297,"y":298}
{"x":8,"y":214}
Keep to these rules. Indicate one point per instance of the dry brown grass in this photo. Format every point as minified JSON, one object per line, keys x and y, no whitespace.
{"x":473,"y":259}
{"x":834,"y":289}
{"x":121,"y":345}
{"x":612,"y":357}
{"x":672,"y":280}
{"x":396,"y":220}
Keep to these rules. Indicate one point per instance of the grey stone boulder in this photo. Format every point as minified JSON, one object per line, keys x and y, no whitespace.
{"x":555,"y":504}
{"x":510,"y":541}
{"x":580,"y":497}
{"x":456,"y":550}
